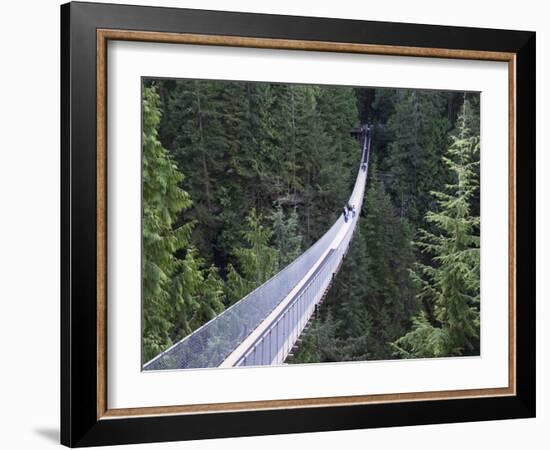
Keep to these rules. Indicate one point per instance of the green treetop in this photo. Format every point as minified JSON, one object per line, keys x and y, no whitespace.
{"x":286,"y":236}
{"x":257,"y":262}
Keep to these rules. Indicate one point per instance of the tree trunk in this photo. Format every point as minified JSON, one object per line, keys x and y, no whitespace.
{"x":206,"y":176}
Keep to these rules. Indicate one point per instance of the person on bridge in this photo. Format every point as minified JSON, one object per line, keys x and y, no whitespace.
{"x":352,"y":210}
{"x":345,"y":213}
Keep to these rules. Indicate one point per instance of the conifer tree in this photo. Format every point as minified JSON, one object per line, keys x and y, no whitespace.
{"x":286,"y":236}
{"x":350,"y":299}
{"x":193,"y":130}
{"x":321,"y":342}
{"x":171,"y":286}
{"x":449,"y":287}
{"x":162,"y":201}
{"x":418,"y":130}
{"x":389,"y":292}
{"x":347,"y":296}
{"x":257,"y":262}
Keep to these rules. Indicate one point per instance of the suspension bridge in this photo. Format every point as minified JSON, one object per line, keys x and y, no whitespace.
{"x":263,"y":327}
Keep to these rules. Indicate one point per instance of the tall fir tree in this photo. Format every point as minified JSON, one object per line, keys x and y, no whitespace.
{"x":257,"y":261}
{"x":418,"y":129}
{"x":287,"y":238}
{"x":450,"y":285}
{"x":389,"y":292}
{"x":174,"y":289}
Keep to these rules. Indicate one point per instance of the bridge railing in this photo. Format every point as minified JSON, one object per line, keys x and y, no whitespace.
{"x":274,"y":346}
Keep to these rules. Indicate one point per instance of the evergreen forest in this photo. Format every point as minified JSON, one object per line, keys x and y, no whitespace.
{"x":239,"y":178}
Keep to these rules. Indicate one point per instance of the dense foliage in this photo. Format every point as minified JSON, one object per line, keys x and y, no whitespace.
{"x":449,"y":286}
{"x":239,"y":178}
{"x":179,"y":294}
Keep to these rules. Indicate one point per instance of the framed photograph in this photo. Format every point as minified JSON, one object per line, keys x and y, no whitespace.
{"x":276,"y":224}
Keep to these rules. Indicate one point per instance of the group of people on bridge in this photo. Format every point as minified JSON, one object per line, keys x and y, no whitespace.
{"x":349,"y":210}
